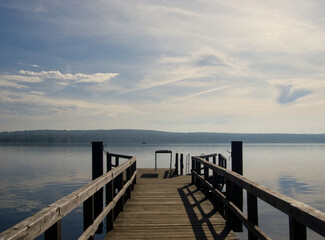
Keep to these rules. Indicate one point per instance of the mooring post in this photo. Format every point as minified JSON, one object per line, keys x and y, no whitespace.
{"x":176,"y":164}
{"x":97,"y":171}
{"x":182,"y":164}
{"x":235,"y":193}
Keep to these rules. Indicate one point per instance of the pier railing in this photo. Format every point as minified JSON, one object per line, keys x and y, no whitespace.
{"x":225,"y":199}
{"x":118,"y":183}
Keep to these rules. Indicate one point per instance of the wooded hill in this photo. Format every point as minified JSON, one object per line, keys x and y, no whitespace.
{"x":149,"y":137}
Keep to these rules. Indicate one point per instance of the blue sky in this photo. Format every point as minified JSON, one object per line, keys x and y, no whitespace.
{"x":215,"y":66}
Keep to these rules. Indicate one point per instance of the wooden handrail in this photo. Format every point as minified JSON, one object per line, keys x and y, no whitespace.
{"x":90,"y":231}
{"x":37,"y":224}
{"x":302,"y":213}
{"x":119,"y":155}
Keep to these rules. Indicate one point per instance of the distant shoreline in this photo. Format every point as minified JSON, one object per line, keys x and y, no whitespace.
{"x":149,"y":137}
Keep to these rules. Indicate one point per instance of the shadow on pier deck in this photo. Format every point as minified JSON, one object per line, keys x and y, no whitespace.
{"x":166,"y":206}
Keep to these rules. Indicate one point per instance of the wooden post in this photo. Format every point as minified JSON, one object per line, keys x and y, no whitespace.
{"x":54,"y":232}
{"x":252,"y":213}
{"x":109,"y":195}
{"x":155,"y":162}
{"x":97,"y":171}
{"x":134,"y":169}
{"x":297,"y":230}
{"x":176,"y":164}
{"x":117,"y":161}
{"x":198,"y":171}
{"x":88,"y":213}
{"x":235,"y":193}
{"x":193,"y":169}
{"x":128,"y":177}
{"x":237,"y":157}
{"x":119,"y":205}
{"x":182,"y":164}
{"x":108,"y":161}
{"x":109,"y":198}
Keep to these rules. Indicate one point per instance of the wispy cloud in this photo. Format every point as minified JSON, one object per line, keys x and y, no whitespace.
{"x":37,"y":104}
{"x":201,"y":93}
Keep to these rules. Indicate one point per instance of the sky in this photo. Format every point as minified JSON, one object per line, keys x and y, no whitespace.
{"x":247,"y":66}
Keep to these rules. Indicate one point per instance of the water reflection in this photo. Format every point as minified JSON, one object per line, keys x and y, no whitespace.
{"x":291,"y":186}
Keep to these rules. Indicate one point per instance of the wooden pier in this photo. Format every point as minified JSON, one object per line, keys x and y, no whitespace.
{"x":160,"y":203}
{"x":166,"y":206}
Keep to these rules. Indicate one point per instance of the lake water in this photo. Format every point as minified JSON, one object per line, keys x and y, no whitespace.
{"x":32,"y":177}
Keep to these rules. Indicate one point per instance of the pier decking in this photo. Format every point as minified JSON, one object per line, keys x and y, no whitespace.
{"x":165,"y":206}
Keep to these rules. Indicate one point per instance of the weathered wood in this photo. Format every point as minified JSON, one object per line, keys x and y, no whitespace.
{"x":109,"y":199}
{"x":252,"y":213}
{"x":90,"y":231}
{"x":119,"y":155}
{"x":108,"y":161}
{"x":303,"y":213}
{"x":88,"y":213}
{"x":237,"y":212}
{"x":236,"y":192}
{"x":182,"y":164}
{"x":168,"y":208}
{"x":97,"y":171}
{"x":209,"y":155}
{"x":35,"y":225}
{"x":176,"y":164}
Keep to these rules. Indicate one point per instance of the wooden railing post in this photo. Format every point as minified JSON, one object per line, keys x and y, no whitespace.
{"x":182,"y":164}
{"x":128,"y":177}
{"x":108,"y":161}
{"x":176,"y":164}
{"x":206,"y":178}
{"x":134,"y":168}
{"x":109,"y":195}
{"x":252,"y":213}
{"x":88,"y":213}
{"x":194,"y":170}
{"x":198,"y":171}
{"x":97,"y":171}
{"x":54,"y":232}
{"x":109,"y":199}
{"x":235,"y":193}
{"x":297,"y":230}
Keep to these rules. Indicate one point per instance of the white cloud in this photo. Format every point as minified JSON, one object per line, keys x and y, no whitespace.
{"x":79,"y":77}
{"x":20,"y":78}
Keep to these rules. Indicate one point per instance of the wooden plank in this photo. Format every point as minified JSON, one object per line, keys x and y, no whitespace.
{"x":168,"y":208}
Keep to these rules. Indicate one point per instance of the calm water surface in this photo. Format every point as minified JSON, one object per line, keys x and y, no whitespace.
{"x":31,"y":177}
